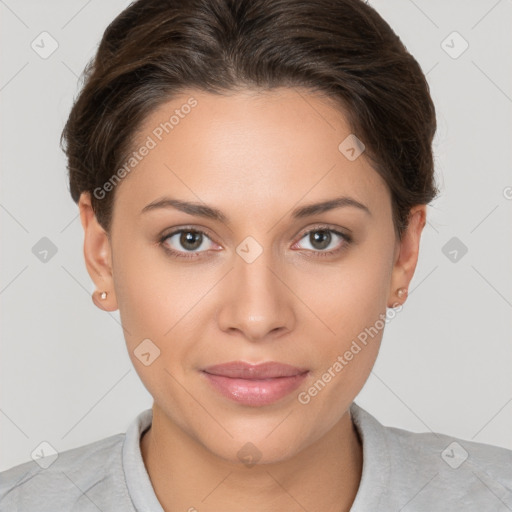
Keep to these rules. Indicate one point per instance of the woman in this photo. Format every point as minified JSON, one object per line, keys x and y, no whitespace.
{"x":252,"y":179}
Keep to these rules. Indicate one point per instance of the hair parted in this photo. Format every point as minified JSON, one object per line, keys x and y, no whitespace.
{"x":342,"y":49}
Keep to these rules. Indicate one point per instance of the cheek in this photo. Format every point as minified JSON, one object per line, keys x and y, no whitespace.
{"x":159,"y":300}
{"x":353,"y":306}
{"x":350,"y":300}
{"x":351,"y":295}
{"x":153,"y":291}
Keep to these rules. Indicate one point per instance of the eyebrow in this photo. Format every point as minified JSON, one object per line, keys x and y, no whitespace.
{"x":203,"y":210}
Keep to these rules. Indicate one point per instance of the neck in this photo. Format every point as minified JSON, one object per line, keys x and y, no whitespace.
{"x":186,"y":476}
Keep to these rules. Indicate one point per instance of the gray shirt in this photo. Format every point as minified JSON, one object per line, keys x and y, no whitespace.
{"x":402,"y":471}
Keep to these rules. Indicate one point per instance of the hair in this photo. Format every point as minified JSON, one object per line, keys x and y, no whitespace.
{"x":342,"y":49}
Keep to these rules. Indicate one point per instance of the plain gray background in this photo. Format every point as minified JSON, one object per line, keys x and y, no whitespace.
{"x":445,"y":360}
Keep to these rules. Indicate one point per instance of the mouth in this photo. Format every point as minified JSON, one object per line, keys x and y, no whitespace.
{"x":255,"y":385}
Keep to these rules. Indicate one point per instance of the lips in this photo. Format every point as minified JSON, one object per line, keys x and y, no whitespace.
{"x":242,"y":370}
{"x":255,"y":385}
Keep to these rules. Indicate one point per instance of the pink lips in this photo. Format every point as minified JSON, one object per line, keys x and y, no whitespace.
{"x":255,"y":385}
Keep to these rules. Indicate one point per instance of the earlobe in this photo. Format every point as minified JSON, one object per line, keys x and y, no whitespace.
{"x":97,"y":255}
{"x":408,"y":251}
{"x":103,"y":300}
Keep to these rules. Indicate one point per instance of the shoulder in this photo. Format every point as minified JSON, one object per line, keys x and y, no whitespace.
{"x":434,"y":470}
{"x":81,"y":478}
{"x":465,"y":474}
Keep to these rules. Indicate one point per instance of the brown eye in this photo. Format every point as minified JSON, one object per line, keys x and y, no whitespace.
{"x":190,"y":240}
{"x":185,"y":241}
{"x":322,"y":238}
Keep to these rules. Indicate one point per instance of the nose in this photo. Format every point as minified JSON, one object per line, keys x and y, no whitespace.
{"x":256,"y":300}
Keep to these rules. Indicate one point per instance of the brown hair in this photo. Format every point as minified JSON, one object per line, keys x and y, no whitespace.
{"x":156,"y":49}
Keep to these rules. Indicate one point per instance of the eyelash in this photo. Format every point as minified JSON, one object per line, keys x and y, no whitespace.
{"x":191,"y":255}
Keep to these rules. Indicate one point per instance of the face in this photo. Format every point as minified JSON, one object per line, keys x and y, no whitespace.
{"x":259,"y":282}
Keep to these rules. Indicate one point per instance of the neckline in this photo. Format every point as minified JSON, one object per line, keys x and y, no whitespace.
{"x":374,"y":477}
{"x":376,"y":460}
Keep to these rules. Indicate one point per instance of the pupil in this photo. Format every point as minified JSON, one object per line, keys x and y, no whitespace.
{"x":325,"y":235}
{"x":190,"y":237}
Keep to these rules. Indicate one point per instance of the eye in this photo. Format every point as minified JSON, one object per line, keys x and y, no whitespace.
{"x":321,"y":238}
{"x":188,"y":241}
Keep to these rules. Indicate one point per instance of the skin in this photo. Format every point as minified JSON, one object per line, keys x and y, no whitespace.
{"x":255,"y":156}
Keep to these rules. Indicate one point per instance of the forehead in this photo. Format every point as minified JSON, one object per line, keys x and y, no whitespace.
{"x":250,"y":149}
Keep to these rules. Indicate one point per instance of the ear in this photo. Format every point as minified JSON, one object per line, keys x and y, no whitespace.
{"x":406,"y":254}
{"x":97,"y":254}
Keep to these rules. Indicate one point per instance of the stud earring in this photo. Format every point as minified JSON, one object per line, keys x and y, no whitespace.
{"x":103,"y":295}
{"x":401,"y":292}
